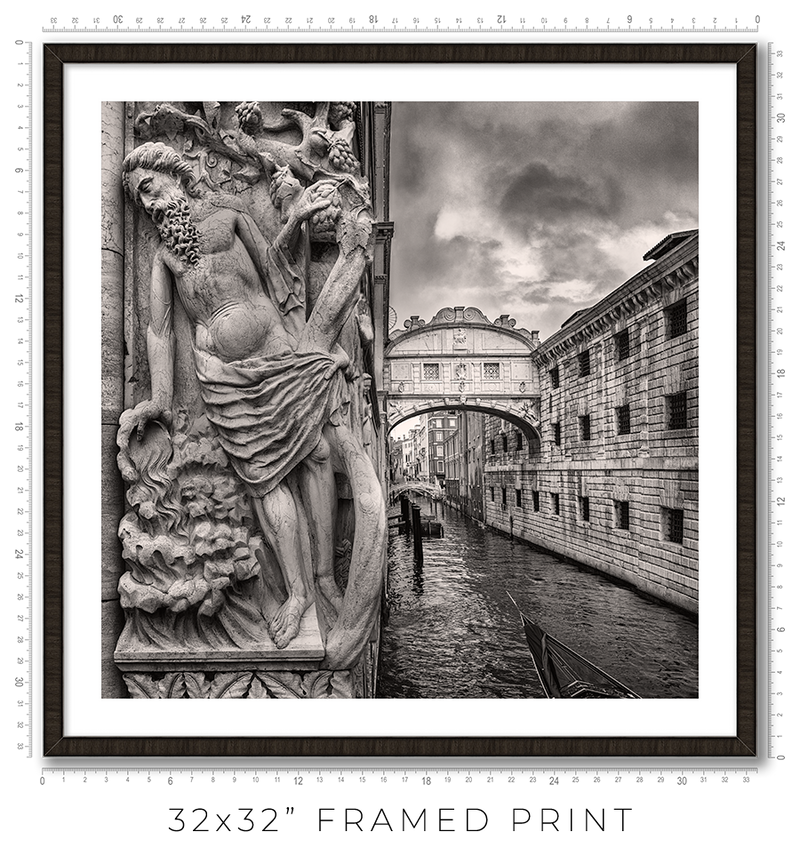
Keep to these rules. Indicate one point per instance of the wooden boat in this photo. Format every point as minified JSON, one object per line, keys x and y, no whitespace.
{"x":563,"y":673}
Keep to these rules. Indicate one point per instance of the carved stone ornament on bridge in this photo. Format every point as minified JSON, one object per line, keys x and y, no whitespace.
{"x":248,"y":566}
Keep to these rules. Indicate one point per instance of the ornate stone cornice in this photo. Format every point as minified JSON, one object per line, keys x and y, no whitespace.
{"x":672,"y":272}
{"x":465,"y":316}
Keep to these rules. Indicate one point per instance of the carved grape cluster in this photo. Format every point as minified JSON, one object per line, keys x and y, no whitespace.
{"x":325,"y":219}
{"x":283,"y":184}
{"x":342,"y":157}
{"x":249,"y":117}
{"x":341,"y":112}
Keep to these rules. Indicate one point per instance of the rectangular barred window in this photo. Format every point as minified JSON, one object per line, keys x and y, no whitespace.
{"x":535,"y":500}
{"x":624,"y":420}
{"x":557,"y":433}
{"x":491,"y":445}
{"x":491,"y":492}
{"x":554,"y":379}
{"x":555,"y":500}
{"x":586,"y":427}
{"x":430,"y":372}
{"x":505,"y":443}
{"x":676,"y":410}
{"x":519,"y":497}
{"x":672,"y":525}
{"x":622,"y":513}
{"x":519,"y":440}
{"x":623,"y":342}
{"x":503,"y":499}
{"x":676,"y":319}
{"x":491,"y":371}
{"x":584,"y":364}
{"x":583,"y":502}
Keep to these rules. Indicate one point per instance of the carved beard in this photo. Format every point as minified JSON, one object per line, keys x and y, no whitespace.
{"x":174,"y":223}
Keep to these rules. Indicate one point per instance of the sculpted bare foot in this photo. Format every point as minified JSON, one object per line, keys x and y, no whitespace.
{"x":286,"y":623}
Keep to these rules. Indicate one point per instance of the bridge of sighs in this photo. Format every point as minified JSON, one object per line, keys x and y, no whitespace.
{"x":461,"y":360}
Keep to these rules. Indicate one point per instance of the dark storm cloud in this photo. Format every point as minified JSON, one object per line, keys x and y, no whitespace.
{"x":409,"y":161}
{"x":457,"y":261}
{"x":573,"y":255}
{"x":657,"y":138}
{"x":653,"y":148}
{"x":537,"y":195}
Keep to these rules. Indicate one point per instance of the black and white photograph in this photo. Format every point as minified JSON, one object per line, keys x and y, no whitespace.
{"x":413,"y":415}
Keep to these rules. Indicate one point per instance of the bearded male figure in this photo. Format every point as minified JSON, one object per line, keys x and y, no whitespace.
{"x":271,"y":383}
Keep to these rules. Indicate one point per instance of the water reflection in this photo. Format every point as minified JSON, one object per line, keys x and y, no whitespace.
{"x":453,"y":632}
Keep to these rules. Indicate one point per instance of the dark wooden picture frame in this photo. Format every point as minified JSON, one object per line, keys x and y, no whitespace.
{"x":54,"y":625}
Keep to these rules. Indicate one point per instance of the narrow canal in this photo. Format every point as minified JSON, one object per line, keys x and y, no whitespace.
{"x":452,"y":631}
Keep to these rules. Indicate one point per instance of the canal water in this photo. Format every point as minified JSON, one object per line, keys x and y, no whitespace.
{"x":453,"y":632}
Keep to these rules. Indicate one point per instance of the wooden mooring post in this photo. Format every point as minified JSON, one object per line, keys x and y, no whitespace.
{"x":416,"y":524}
{"x":405,"y":511}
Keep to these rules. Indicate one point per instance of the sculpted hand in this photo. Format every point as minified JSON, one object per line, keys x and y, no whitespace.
{"x":364,"y":322}
{"x":144,"y":412}
{"x":317,"y":197}
{"x":137,"y":419}
{"x":341,"y":361}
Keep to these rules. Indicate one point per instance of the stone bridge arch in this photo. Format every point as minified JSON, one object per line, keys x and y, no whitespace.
{"x":462,"y":361}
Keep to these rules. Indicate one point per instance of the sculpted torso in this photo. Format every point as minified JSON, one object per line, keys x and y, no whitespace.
{"x":223,"y":294}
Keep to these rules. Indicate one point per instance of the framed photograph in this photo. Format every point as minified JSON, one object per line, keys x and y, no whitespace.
{"x":405,"y":413}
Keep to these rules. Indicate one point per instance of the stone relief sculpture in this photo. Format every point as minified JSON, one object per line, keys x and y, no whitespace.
{"x":232,"y":538}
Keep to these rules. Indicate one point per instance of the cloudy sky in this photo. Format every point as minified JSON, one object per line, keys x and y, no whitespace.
{"x":534,"y":209}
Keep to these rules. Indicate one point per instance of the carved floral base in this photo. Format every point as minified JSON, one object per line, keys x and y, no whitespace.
{"x":256,"y":682}
{"x":348,"y":684}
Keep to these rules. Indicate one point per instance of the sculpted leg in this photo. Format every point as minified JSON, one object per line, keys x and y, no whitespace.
{"x":277,"y":513}
{"x":319,"y":497}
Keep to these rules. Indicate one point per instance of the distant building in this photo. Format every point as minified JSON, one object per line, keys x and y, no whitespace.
{"x":440,"y":425}
{"x":420,"y":450}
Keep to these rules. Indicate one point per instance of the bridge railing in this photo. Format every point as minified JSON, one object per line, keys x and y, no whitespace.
{"x":429,"y":489}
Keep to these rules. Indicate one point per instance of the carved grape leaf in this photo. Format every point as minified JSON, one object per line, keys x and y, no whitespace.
{"x":330,"y":685}
{"x":230,"y":685}
{"x":197,"y":685}
{"x":258,"y":690}
{"x":286,"y":685}
{"x":141,"y":686}
{"x":212,"y":111}
{"x":172,"y":686}
{"x":355,"y":230}
{"x":170,"y":125}
{"x":317,"y":685}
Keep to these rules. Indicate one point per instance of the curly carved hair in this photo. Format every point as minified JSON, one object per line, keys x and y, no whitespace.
{"x":155,"y":156}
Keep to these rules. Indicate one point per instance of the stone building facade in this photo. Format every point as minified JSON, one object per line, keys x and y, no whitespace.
{"x":441,"y":425}
{"x":613,"y":481}
{"x":464,"y":456}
